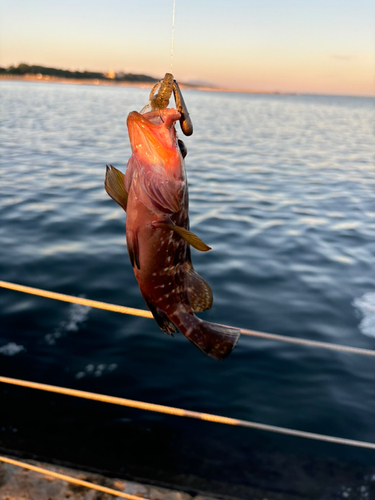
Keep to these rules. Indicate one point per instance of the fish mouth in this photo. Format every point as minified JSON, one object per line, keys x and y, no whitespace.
{"x":153,"y":135}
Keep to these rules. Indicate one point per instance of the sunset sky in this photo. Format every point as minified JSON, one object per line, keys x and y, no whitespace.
{"x":273,"y":45}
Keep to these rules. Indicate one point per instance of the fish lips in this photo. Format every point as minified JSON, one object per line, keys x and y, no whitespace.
{"x":153,"y":136}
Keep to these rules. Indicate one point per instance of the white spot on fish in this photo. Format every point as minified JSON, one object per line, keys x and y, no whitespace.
{"x":153,"y":274}
{"x":168,"y":259}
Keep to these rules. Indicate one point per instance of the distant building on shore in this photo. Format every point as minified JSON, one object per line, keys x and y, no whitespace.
{"x":111,"y":74}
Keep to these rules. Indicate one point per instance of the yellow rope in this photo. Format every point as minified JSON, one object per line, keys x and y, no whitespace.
{"x":70,"y":479}
{"x":76,"y":300}
{"x":178,"y":412}
{"x":147,"y":314}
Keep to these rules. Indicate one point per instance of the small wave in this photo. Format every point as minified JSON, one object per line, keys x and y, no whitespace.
{"x":366,"y":305}
{"x":76,"y":314}
{"x":11,"y":349}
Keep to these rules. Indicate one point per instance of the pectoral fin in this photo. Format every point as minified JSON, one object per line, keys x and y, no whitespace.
{"x":191,"y":238}
{"x":188,"y":236}
{"x":133,"y":248}
{"x":114,"y":185}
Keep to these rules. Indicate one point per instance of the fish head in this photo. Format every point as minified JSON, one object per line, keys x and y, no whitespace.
{"x":153,"y":137}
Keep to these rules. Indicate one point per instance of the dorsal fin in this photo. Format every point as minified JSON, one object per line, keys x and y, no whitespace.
{"x":114,"y":185}
{"x":199,"y":292}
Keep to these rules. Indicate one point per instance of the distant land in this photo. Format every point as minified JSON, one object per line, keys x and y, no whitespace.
{"x":43,"y":74}
{"x":24,"y":69}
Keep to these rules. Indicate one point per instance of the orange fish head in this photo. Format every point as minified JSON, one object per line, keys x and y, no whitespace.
{"x":153,"y":136}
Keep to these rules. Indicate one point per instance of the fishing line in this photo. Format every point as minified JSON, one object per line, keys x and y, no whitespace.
{"x":174,"y":8}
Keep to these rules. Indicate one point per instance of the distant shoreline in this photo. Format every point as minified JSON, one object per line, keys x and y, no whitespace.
{"x":116,"y":83}
{"x":138,"y":84}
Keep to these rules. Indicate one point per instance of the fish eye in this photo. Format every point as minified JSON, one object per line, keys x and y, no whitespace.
{"x":182,"y":147}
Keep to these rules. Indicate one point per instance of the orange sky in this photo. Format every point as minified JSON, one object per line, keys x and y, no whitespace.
{"x":290,"y":46}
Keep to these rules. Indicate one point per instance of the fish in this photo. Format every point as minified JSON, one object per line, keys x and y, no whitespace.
{"x":154,"y":194}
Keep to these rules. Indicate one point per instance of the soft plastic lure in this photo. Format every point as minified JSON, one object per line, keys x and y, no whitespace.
{"x":160,"y":100}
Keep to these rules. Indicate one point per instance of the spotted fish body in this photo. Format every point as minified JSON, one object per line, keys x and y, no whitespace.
{"x":158,"y":236}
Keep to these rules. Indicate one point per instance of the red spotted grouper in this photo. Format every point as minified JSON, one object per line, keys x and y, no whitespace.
{"x":154,"y":194}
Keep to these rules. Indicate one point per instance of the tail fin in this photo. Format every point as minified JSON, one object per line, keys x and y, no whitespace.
{"x":217,"y":341}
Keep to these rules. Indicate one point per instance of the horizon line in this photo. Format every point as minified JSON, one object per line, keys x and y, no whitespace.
{"x":33,"y":78}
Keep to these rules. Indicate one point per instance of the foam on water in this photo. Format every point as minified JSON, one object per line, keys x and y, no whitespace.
{"x":77,"y":314}
{"x":96,"y":370}
{"x":366,"y":305}
{"x":11,"y":349}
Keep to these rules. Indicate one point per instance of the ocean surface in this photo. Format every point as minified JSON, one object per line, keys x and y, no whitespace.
{"x":282,"y":187}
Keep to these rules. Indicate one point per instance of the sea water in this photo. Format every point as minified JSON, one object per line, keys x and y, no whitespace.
{"x":282,"y":187}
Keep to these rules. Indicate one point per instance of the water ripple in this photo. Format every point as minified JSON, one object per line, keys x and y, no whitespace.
{"x":282,"y":188}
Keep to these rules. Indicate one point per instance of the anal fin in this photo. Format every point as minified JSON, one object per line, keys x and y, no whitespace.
{"x":114,"y":185}
{"x":199,"y":292}
{"x":161,"y":318}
